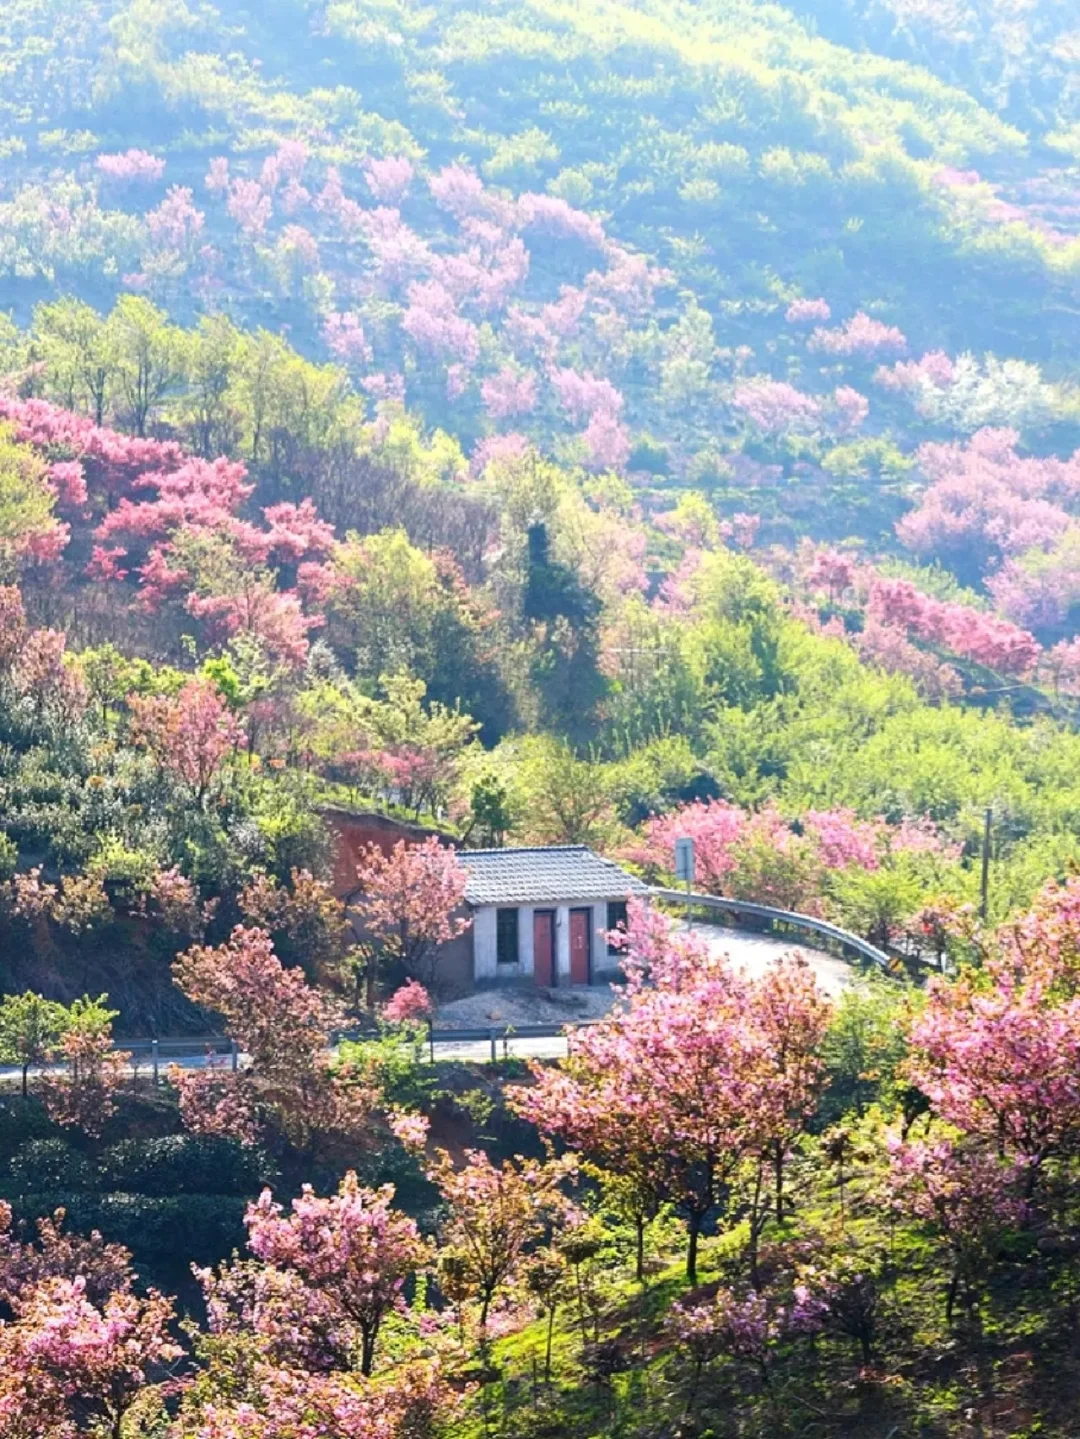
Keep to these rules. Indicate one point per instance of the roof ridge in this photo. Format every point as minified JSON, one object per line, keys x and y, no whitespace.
{"x":464,"y":854}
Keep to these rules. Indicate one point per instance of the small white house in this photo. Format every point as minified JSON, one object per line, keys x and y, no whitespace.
{"x":542,"y":916}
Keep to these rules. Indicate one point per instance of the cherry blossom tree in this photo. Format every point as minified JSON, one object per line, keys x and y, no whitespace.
{"x":176,"y":224}
{"x":56,"y":1253}
{"x":790,"y":1015}
{"x":67,"y":1361}
{"x":131,"y":167}
{"x":389,"y":179}
{"x":345,"y":338}
{"x":509,"y":393}
{"x":804,"y":312}
{"x":353,"y":1249}
{"x":190,"y":735}
{"x":861,"y":337}
{"x":408,"y":901}
{"x":408,"y":1005}
{"x":997,"y":1053}
{"x":85,"y":1096}
{"x":777,"y":408}
{"x":291,"y":1083}
{"x":973,"y":634}
{"x":495,"y":1214}
{"x":985,"y":503}
{"x":970,"y":1196}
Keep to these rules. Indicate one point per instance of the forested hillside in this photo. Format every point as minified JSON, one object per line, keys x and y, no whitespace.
{"x":541,"y":424}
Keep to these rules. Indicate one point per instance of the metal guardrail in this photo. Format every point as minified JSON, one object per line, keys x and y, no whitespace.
{"x":745,"y":909}
{"x":154,"y":1053}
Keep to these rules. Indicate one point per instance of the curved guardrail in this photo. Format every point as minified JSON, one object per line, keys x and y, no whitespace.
{"x":745,"y":909}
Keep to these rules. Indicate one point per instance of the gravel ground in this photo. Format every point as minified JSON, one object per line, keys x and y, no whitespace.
{"x":525,"y":1006}
{"x":751,"y":953}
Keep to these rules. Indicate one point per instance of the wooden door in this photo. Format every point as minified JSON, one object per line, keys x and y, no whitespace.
{"x":544,"y":947}
{"x":580,"y":945}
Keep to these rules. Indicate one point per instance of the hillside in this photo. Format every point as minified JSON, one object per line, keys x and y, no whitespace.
{"x":437,"y":427}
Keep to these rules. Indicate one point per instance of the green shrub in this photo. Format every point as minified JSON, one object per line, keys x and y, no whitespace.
{"x":49,"y":1164}
{"x":22,"y":1120}
{"x":185,"y":1164}
{"x":163,"y":1234}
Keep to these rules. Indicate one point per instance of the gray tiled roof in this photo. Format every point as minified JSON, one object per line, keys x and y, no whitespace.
{"x":544,"y":876}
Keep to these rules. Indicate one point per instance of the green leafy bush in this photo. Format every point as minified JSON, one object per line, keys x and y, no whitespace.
{"x":185,"y":1164}
{"x":49,"y":1164}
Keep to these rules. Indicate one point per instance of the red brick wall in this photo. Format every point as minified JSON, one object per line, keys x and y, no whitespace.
{"x":353,"y":831}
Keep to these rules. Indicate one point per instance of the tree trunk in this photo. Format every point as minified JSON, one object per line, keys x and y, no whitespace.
{"x":778,"y":1164}
{"x":639,"y":1249}
{"x":692,"y":1247}
{"x":367,"y":1351}
{"x":950,"y":1297}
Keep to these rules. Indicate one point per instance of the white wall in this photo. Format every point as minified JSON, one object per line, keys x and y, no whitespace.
{"x":485,"y":942}
{"x":485,"y":952}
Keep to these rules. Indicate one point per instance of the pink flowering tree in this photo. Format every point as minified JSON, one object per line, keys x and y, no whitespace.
{"x":746,"y":1327}
{"x":56,"y":1253}
{"x":968,"y":1196}
{"x":84,"y":1096}
{"x":776,"y":408}
{"x":973,"y":634}
{"x":190,"y":735}
{"x":509,"y":394}
{"x":409,"y":901}
{"x":862,"y":337}
{"x":66,"y":1362}
{"x":411,"y":1004}
{"x":389,"y":179}
{"x":997,"y":1053}
{"x":808,"y":312}
{"x":132,"y":167}
{"x":352,"y":1249}
{"x":494,"y":1215}
{"x":984,"y":503}
{"x":681,"y":1065}
{"x":290,"y":1084}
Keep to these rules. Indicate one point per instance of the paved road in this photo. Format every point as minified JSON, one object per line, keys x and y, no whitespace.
{"x":753,"y":953}
{"x":750,"y":953}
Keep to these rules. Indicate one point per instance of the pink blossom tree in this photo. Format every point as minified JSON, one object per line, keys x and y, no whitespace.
{"x":132,"y":167}
{"x":411,"y":1004}
{"x":998,"y":1055}
{"x":776,"y":408}
{"x":389,"y":179}
{"x":66,"y":1361}
{"x":861,"y":337}
{"x":353,"y":1249}
{"x":190,"y":735}
{"x":969,"y":1196}
{"x":509,"y":394}
{"x":408,"y":902}
{"x":291,"y":1083}
{"x":495,"y":1213}
{"x":808,"y":312}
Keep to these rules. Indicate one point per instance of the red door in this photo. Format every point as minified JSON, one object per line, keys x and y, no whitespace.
{"x":544,"y":947}
{"x":580,"y":945}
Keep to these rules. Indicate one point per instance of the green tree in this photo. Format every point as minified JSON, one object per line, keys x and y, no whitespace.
{"x":26,"y":500}
{"x":151,"y":357}
{"x":31,"y":1029}
{"x":79,"y":352}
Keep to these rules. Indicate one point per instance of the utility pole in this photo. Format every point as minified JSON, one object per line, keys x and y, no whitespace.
{"x":984,"y":905}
